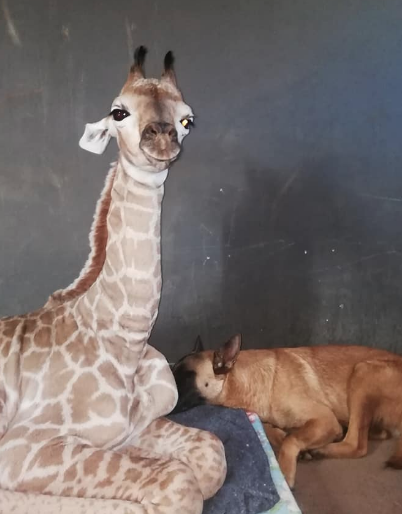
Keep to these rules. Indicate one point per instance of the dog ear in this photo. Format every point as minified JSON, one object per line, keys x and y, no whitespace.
{"x":225,"y":358}
{"x":198,"y":347}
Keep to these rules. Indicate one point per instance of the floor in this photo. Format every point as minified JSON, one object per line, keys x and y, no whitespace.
{"x":350,"y":486}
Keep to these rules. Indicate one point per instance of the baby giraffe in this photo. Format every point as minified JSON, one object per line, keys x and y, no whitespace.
{"x":81,"y":391}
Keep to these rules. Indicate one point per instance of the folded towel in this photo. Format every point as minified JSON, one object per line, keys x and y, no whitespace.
{"x":248,"y":488}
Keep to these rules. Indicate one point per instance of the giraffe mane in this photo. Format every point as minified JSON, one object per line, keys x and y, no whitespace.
{"x":97,"y":241}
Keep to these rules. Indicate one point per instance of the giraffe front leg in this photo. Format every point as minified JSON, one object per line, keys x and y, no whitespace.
{"x":202,"y":451}
{"x":148,"y":484}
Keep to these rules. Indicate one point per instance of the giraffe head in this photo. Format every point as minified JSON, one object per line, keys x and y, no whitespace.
{"x":149,"y":119}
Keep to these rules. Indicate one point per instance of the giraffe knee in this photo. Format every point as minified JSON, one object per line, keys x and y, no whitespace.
{"x":172,"y":488}
{"x":182,"y":491}
{"x":208,"y":460}
{"x":217,"y":468}
{"x":188,"y":497}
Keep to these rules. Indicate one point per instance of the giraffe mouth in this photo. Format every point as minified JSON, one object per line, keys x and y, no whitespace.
{"x":161,"y":156}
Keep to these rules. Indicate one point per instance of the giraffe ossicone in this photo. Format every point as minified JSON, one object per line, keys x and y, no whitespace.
{"x":82,"y":393}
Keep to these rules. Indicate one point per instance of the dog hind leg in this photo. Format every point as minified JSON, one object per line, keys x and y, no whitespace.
{"x":362,"y":402}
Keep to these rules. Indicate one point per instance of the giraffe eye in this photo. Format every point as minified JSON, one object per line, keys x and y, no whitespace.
{"x":187,"y":123}
{"x":119,"y":114}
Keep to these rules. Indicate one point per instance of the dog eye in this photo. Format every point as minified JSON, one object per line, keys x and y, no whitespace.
{"x":119,"y":114}
{"x":206,"y":384}
{"x":187,"y":123}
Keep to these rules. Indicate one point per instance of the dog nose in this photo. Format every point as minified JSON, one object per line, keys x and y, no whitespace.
{"x":155,"y":129}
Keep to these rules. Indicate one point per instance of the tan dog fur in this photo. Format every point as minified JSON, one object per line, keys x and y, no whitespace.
{"x":304,"y":396}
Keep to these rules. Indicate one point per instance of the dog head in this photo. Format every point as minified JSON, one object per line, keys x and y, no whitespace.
{"x":200,"y":376}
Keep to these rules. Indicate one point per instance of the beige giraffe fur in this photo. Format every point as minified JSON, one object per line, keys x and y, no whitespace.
{"x":81,"y":391}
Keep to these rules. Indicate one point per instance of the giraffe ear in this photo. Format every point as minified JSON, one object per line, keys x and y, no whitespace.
{"x":96,"y":136}
{"x":168,"y":74}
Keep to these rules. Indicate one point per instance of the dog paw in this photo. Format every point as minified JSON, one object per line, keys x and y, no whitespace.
{"x":317,"y":454}
{"x":291,"y":483}
{"x":305,"y":456}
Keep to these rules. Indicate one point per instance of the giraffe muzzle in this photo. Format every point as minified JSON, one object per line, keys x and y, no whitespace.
{"x":159,"y":142}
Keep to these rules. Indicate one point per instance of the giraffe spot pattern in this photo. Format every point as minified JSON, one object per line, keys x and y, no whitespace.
{"x":72,"y":370}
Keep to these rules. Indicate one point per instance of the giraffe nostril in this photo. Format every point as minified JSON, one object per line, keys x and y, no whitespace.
{"x":172,"y":133}
{"x":152,"y":130}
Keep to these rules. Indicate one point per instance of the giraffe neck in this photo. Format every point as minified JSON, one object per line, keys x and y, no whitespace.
{"x":123,"y":301}
{"x":97,"y":242}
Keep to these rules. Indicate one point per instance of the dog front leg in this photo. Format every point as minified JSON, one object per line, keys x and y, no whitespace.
{"x":274,"y":435}
{"x":313,"y":434}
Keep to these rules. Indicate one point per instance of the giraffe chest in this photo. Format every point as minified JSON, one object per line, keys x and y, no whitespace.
{"x":80,"y":388}
{"x":78,"y":385}
{"x":91,"y":402}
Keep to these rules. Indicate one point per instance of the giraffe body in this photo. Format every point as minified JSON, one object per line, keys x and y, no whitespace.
{"x":82,"y":392}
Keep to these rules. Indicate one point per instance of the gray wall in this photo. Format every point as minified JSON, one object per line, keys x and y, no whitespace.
{"x":283,"y":217}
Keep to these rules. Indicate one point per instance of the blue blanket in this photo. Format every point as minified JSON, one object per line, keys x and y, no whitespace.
{"x":248,"y":488}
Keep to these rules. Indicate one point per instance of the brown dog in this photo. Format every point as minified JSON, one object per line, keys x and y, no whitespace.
{"x":304,"y":396}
